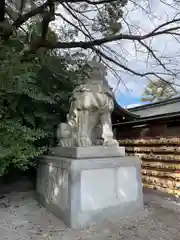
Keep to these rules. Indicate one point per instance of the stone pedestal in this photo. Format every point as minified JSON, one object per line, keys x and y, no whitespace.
{"x":87,"y":185}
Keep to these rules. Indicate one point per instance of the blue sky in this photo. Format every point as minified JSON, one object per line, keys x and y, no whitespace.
{"x":131,"y":87}
{"x":128,"y":100}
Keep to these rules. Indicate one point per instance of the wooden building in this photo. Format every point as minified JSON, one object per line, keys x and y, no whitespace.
{"x":151,"y":120}
{"x":152,"y":132}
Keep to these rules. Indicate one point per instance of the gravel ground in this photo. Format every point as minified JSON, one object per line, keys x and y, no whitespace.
{"x":22,"y":218}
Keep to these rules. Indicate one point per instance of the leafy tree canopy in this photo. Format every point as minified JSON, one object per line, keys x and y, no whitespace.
{"x":157,"y":91}
{"x":34,"y":99}
{"x":107,"y":28}
{"x":40,"y":66}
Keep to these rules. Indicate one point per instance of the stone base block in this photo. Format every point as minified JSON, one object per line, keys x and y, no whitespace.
{"x":89,"y":152}
{"x":90,"y":190}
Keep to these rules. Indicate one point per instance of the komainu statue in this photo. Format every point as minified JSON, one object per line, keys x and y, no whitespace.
{"x":89,"y":118}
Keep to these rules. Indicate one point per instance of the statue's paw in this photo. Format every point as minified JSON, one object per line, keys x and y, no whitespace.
{"x":69,"y":142}
{"x":62,"y":143}
{"x":88,"y":142}
{"x":84,"y":142}
{"x":111,"y":142}
{"x":66,"y":142}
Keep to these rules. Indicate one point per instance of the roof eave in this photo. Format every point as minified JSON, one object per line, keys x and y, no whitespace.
{"x":119,"y":110}
{"x":150,"y":118}
{"x":151,"y":105}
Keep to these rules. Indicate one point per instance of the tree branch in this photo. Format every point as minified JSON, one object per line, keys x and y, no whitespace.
{"x":47,"y":16}
{"x":167,"y":28}
{"x":154,"y":55}
{"x":88,"y":1}
{"x":98,"y":42}
{"x":23,"y":18}
{"x":2,"y":11}
{"x":146,"y":74}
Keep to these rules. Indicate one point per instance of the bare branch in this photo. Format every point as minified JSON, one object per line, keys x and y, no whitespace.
{"x":88,"y":1}
{"x":48,"y":16}
{"x":146,"y":74}
{"x":116,"y":53}
{"x":22,"y":4}
{"x":23,"y":18}
{"x":97,"y":42}
{"x":154,"y":55}
{"x":2,"y":10}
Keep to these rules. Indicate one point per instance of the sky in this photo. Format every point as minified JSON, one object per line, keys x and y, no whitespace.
{"x":130,"y":95}
{"x":128,"y":92}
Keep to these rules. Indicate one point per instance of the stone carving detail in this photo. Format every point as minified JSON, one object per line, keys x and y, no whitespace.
{"x":89,"y":119}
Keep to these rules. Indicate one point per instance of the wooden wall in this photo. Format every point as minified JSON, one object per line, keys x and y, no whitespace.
{"x":160,"y":159}
{"x":161,"y":129}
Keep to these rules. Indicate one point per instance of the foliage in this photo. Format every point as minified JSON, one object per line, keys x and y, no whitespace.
{"x":107,"y":28}
{"x":157,"y":91}
{"x":35,"y":93}
{"x":108,"y":19}
{"x":34,"y":99}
